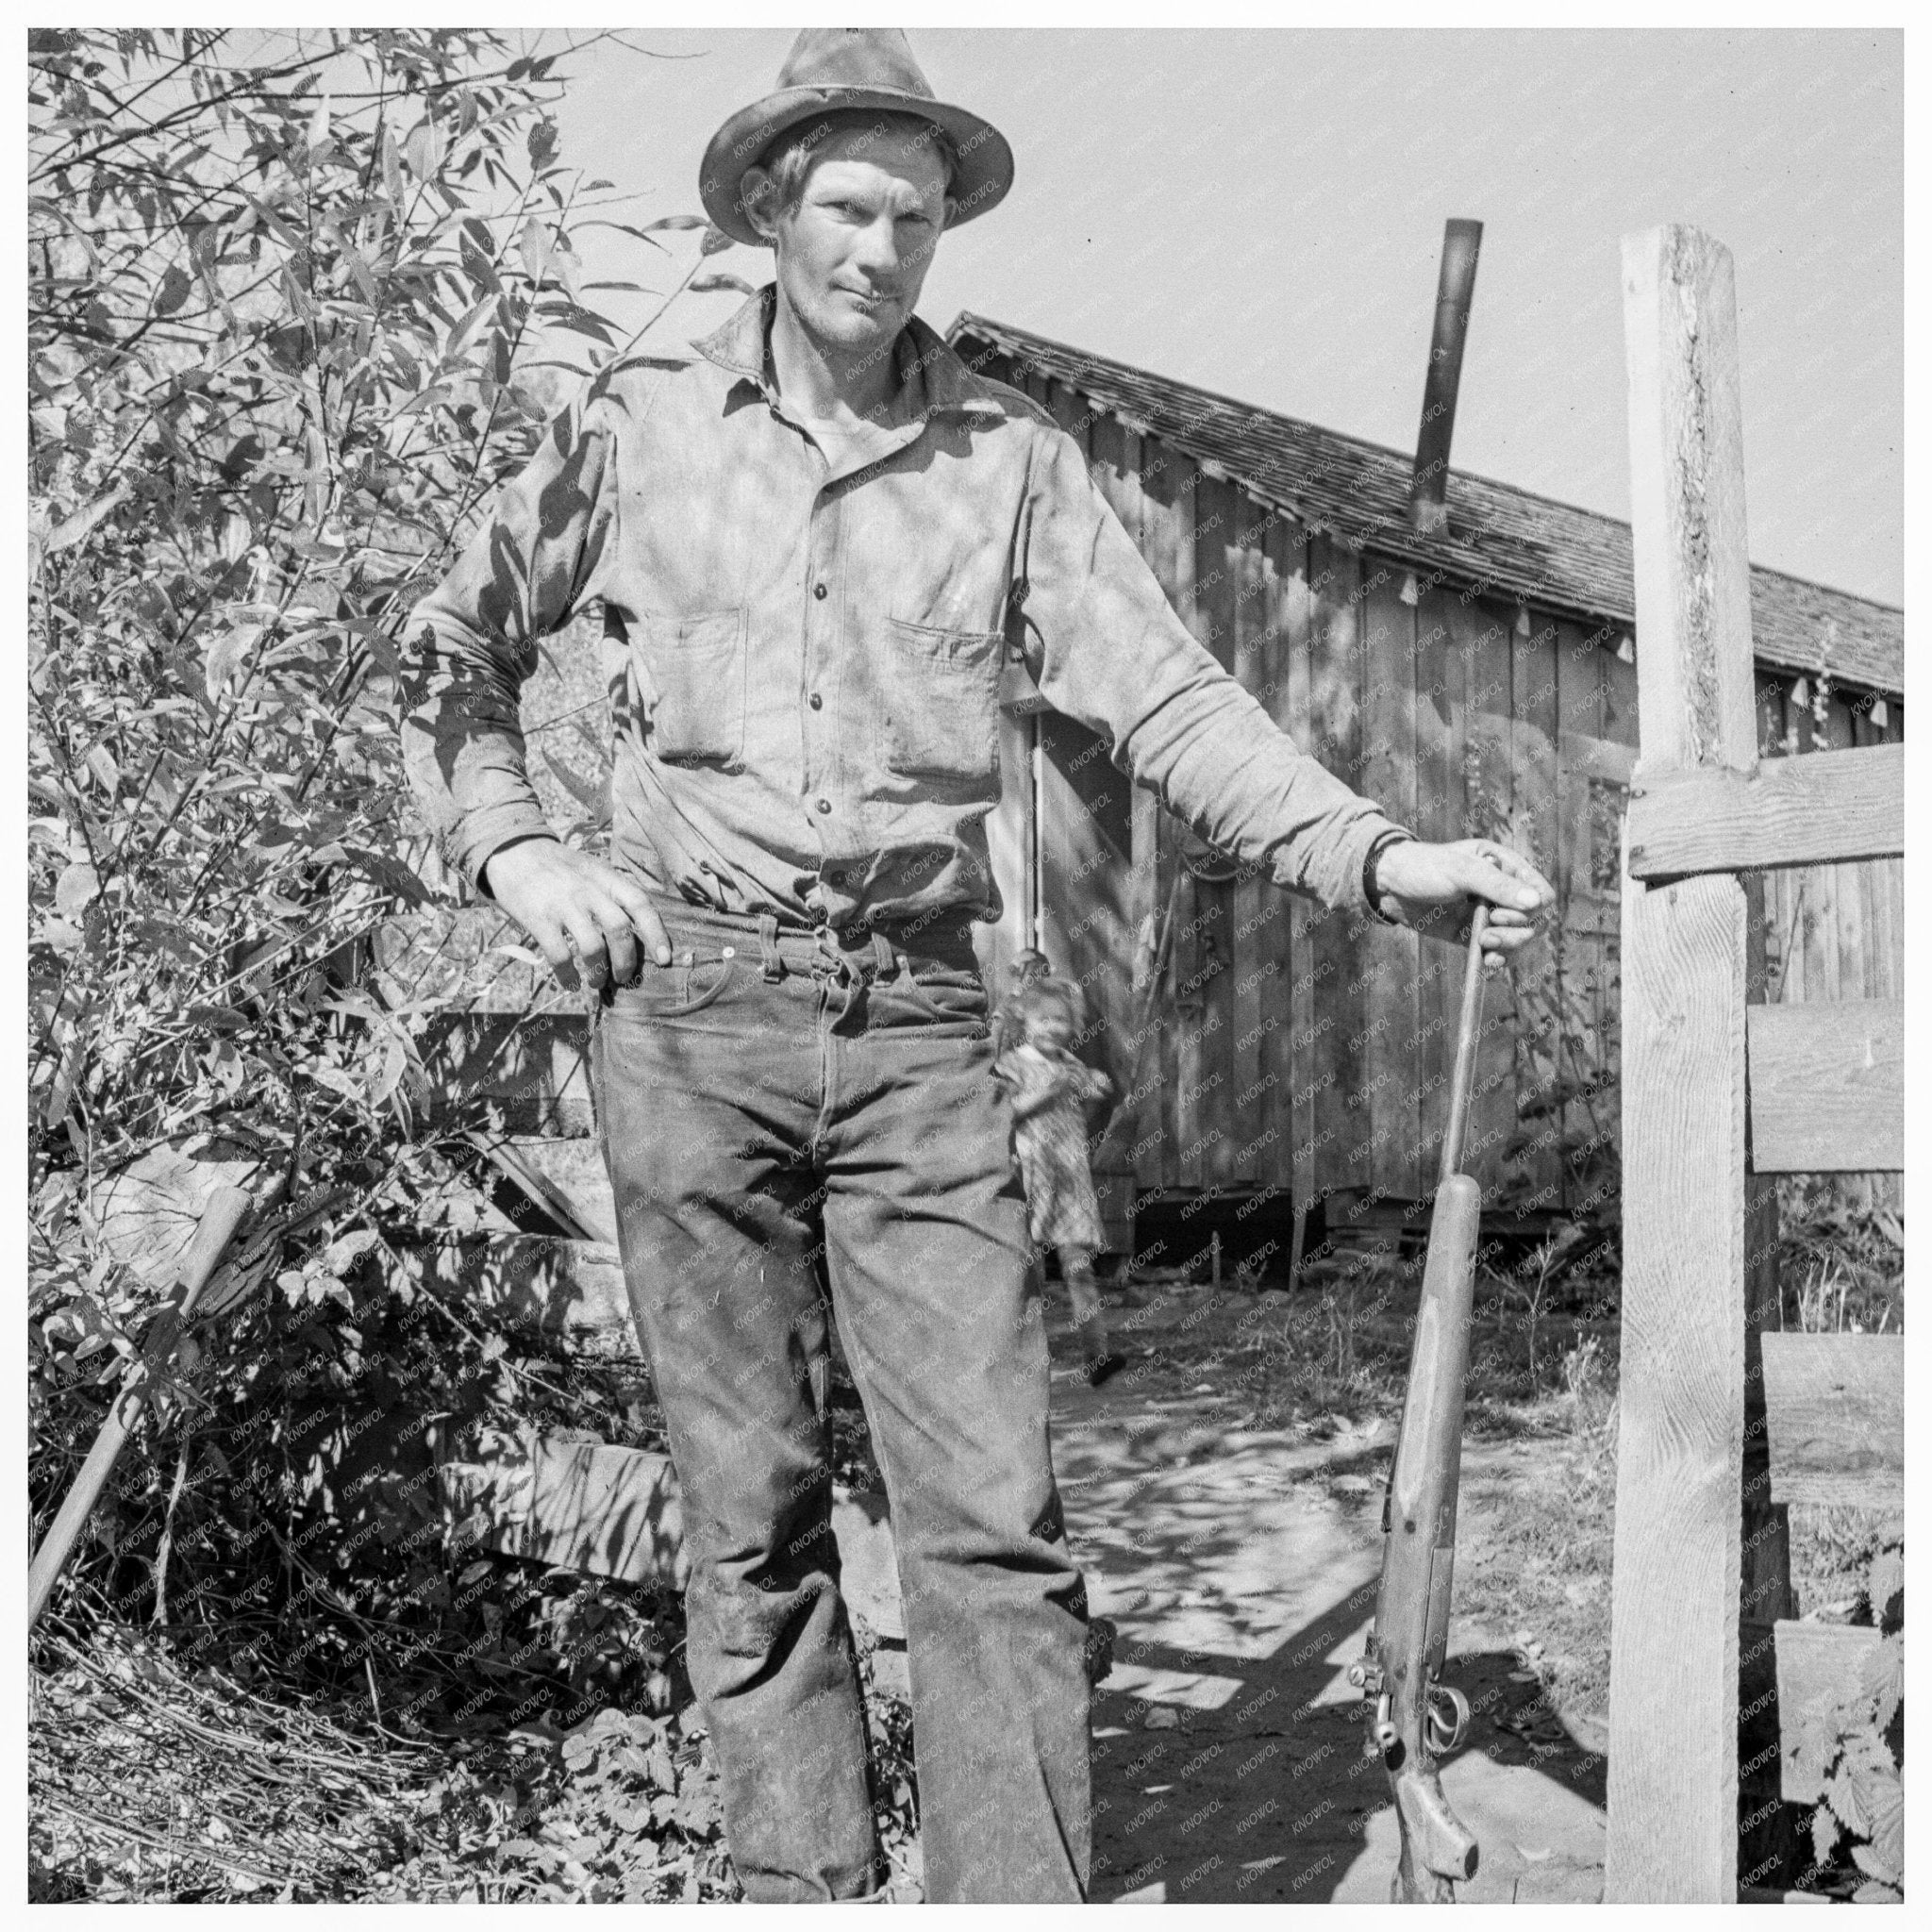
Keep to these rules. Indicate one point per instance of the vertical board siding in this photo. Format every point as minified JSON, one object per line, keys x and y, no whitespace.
{"x":1285,"y":1048}
{"x":1284,"y":692}
{"x":1010,"y":844}
{"x":1257,"y":913}
{"x":1114,"y":456}
{"x":1167,"y":542}
{"x":1087,"y":853}
{"x":1330,"y":1055}
{"x":1482,"y":642}
{"x":1441,"y":707}
{"x":1297,"y":1055}
{"x":1390,"y":954}
{"x":1587,"y":891}
{"x":1534,"y":1175}
{"x":1217,"y":567}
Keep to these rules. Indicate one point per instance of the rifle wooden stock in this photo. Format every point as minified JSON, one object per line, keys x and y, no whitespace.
{"x":1415,"y":1716}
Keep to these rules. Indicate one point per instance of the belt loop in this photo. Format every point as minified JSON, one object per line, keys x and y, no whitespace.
{"x":881,"y":956}
{"x":768,"y":947}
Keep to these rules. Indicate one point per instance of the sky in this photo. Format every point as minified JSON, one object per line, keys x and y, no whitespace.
{"x":1260,"y":214}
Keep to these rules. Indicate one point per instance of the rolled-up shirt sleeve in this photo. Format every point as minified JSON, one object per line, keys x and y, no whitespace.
{"x":1106,"y":647}
{"x":471,"y":644}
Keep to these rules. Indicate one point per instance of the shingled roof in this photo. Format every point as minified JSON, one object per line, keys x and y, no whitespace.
{"x":1550,"y":554}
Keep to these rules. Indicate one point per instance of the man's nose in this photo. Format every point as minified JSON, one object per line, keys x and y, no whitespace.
{"x":878,"y":249}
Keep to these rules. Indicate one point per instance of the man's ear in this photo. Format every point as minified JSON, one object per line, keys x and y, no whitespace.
{"x":756,"y":190}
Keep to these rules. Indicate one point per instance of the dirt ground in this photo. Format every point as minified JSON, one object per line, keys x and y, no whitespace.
{"x":1238,"y":1564}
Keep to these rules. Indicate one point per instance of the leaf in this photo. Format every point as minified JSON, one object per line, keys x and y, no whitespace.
{"x":711,"y":285}
{"x":100,"y":761}
{"x":392,"y":168}
{"x":716,"y":241}
{"x":336,"y":1080}
{"x":423,"y":150}
{"x":174,"y":290}
{"x":1885,"y":1580}
{"x":78,"y":885}
{"x":535,"y":247}
{"x":345,"y":1248}
{"x":395,"y":1061}
{"x":592,"y":796}
{"x":70,"y":530}
{"x":1873,"y":1894}
{"x":1882,"y":1795}
{"x":1868,"y":1861}
{"x":1824,"y":1834}
{"x":1882,"y":1678}
{"x":225,"y":653}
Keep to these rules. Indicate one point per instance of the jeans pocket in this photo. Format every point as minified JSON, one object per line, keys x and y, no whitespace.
{"x":939,"y":701}
{"x":692,"y":675}
{"x":942,"y":996}
{"x":690,"y":983}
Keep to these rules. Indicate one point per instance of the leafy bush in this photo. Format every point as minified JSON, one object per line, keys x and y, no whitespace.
{"x":1855,"y":1747}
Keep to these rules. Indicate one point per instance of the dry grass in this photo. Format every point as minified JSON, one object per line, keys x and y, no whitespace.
{"x":1539,"y":1480}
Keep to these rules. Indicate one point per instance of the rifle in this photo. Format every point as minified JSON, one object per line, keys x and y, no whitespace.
{"x":1417,"y":1718}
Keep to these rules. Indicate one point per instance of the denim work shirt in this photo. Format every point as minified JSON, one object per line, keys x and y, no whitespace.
{"x":807,"y":715}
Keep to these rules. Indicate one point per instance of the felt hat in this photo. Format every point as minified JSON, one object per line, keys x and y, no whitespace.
{"x":828,"y":71}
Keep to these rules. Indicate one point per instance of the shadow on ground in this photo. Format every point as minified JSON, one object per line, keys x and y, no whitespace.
{"x":1240,"y":1569}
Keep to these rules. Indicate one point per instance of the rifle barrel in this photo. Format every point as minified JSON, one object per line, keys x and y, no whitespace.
{"x":1471,"y":1025}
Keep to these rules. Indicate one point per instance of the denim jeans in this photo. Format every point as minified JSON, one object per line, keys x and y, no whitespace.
{"x":764,"y":1093}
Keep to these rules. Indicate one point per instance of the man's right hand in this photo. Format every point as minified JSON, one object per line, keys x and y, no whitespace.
{"x":583,"y":913}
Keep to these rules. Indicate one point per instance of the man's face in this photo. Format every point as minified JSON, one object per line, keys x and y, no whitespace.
{"x":853,"y":254}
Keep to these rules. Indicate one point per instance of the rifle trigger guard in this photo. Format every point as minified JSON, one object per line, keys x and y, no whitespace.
{"x":1448,"y":1717}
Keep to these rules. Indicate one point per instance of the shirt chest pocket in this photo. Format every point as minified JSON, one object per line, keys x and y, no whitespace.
{"x":939,"y":701}
{"x":691,"y":673}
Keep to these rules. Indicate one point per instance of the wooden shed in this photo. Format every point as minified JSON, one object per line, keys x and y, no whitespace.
{"x":1481,"y":681}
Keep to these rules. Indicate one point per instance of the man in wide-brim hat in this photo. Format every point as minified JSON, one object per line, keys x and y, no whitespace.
{"x":814,"y":546}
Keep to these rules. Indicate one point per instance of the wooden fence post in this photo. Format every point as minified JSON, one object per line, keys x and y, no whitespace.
{"x":1672,"y":1778}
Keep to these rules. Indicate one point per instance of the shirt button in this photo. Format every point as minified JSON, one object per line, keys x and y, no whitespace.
{"x":818,"y":704}
{"x":824,"y":804}
{"x":818,"y":591}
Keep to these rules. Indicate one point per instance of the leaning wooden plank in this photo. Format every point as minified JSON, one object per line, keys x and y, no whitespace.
{"x":1827,"y":1087}
{"x":1817,"y":1664}
{"x":568,"y":1177}
{"x":1827,"y":806}
{"x":1672,"y":1829}
{"x":1835,"y":1416}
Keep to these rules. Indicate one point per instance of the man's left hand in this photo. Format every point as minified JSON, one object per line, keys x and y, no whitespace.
{"x":1414,"y":878}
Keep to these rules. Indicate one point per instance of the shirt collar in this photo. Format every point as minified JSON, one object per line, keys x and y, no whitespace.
{"x":932,"y":377}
